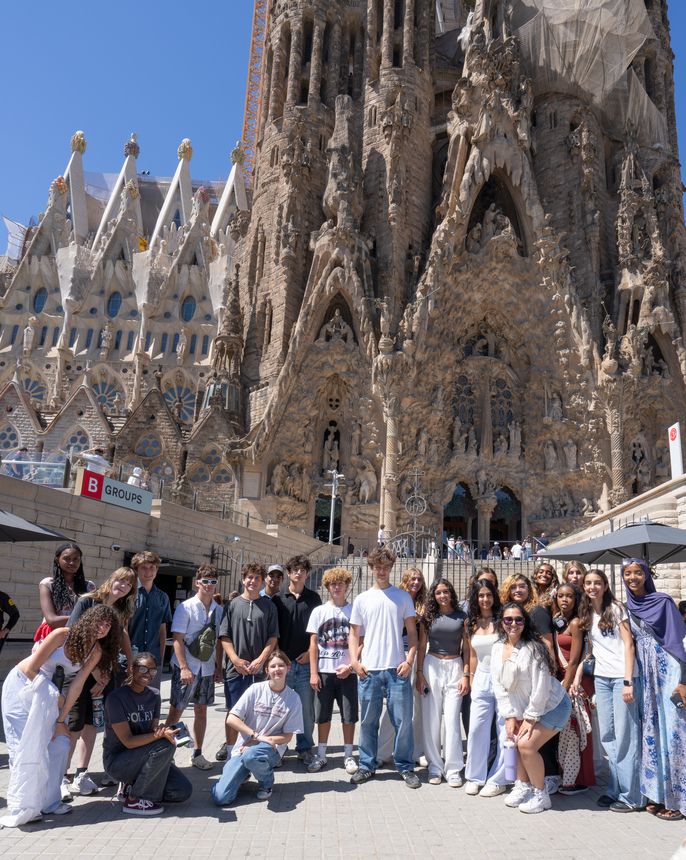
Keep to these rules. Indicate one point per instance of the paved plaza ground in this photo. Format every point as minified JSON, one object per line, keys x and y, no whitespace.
{"x":323,"y":815}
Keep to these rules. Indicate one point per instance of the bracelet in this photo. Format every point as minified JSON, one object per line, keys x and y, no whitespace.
{"x":60,"y":722}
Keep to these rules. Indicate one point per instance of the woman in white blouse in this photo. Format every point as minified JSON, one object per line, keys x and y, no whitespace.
{"x":530,"y":699}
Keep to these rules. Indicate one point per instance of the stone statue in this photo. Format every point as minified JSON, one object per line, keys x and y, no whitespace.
{"x":471,"y":443}
{"x":423,"y":444}
{"x":336,"y":329}
{"x":279,"y":478}
{"x":662,"y":462}
{"x":29,"y":335}
{"x":500,"y":445}
{"x":643,"y":476}
{"x":331,"y":449}
{"x":570,"y":455}
{"x":555,"y":407}
{"x":550,"y":456}
{"x":473,"y":240}
{"x":106,"y":340}
{"x":181,"y":346}
{"x":356,"y":439}
{"x":366,"y":475}
{"x":515,"y":432}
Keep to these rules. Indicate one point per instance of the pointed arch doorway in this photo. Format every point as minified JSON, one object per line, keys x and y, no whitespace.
{"x":506,"y":520}
{"x":460,"y":516}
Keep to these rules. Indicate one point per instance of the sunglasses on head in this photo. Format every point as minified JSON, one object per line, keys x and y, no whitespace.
{"x":207,"y":581}
{"x":509,"y":621}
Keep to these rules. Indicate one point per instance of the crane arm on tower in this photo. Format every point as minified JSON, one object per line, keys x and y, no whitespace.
{"x":253,"y":95}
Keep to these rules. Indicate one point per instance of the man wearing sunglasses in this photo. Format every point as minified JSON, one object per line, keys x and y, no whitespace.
{"x":193,"y":679}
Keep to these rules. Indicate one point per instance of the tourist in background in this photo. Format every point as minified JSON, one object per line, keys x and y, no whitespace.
{"x":9,"y":608}
{"x":482,"y":630}
{"x":606,"y":623}
{"x":659,"y":632}
{"x":530,"y":699}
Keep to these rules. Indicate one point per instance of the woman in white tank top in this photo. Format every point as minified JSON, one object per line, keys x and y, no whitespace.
{"x":484,"y":608}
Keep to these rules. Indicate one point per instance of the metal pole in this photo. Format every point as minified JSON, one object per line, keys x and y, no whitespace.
{"x":336,"y":476}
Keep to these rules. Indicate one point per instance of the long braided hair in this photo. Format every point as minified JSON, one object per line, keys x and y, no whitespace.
{"x":62,"y":595}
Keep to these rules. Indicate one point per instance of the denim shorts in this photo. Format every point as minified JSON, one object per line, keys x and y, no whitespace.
{"x":558,"y":717}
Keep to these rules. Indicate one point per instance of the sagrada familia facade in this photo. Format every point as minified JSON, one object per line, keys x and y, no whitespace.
{"x":449,"y":263}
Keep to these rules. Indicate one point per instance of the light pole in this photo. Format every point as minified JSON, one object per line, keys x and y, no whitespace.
{"x":336,"y":477}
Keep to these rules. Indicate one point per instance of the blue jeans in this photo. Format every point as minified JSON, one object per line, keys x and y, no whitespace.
{"x":379,"y":685}
{"x":299,"y":679}
{"x":259,"y":761}
{"x":620,"y":735}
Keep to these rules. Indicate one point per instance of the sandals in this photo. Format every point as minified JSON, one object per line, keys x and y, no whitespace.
{"x":669,"y":815}
{"x":652,"y":808}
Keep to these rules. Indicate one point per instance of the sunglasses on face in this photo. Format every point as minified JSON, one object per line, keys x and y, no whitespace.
{"x":519,"y":621}
{"x":145,"y":670}
{"x":207,"y":581}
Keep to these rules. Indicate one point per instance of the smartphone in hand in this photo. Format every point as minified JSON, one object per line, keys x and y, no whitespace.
{"x":182,"y":736}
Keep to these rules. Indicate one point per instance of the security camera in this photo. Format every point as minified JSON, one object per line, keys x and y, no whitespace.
{"x":115,"y":547}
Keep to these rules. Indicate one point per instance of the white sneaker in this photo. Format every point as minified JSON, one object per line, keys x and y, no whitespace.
{"x":521,"y":792}
{"x":552,"y":784}
{"x":201,"y":762}
{"x":455,"y":780}
{"x":472,"y":788}
{"x":435,"y":779}
{"x":60,"y":809}
{"x":350,"y":765}
{"x":538,"y":802}
{"x":264,"y":793}
{"x":65,"y":792}
{"x":83,"y":784}
{"x":318,"y":763}
{"x":492,"y":790}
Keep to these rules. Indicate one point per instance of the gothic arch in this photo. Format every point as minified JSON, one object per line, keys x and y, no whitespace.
{"x":107,"y":387}
{"x":75,"y":440}
{"x":498,"y":193}
{"x":338,"y":318}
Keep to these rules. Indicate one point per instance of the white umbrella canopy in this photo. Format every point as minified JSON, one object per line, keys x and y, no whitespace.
{"x":657,"y":543}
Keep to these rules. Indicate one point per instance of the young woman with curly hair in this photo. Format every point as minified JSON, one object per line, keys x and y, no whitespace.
{"x":481,"y":628}
{"x":34,"y":713}
{"x":606,"y":624}
{"x":119,"y":592}
{"x":442,"y":681}
{"x":60,"y":591}
{"x":546,"y":581}
{"x":530,"y":699}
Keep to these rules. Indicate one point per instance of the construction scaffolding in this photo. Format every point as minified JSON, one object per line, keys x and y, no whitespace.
{"x":253,"y":94}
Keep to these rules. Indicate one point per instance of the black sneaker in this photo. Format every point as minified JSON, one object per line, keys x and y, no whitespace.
{"x":569,"y":790}
{"x":222,"y":753}
{"x":605,"y":801}
{"x":361,"y":776}
{"x":411,"y":779}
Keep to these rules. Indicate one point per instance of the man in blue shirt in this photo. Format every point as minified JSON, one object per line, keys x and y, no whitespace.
{"x":148,"y":625}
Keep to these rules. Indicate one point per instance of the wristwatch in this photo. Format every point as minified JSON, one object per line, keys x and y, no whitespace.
{"x":255,"y":736}
{"x":628,"y":683}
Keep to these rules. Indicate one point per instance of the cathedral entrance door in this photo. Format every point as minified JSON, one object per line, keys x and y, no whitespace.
{"x":506,"y":521}
{"x":322,"y":519}
{"x":459,"y":515}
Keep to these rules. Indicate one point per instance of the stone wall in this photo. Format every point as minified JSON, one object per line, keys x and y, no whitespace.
{"x":172,"y":531}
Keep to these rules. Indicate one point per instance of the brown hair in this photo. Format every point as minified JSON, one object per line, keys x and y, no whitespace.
{"x":383,"y":556}
{"x":422,"y":595}
{"x":278,"y":653}
{"x":608,"y":613}
{"x":147,"y":556}
{"x":255,"y":568}
{"x":83,"y":636}
{"x":336,"y":574}
{"x":124,"y":606}
{"x":298,"y":561}
{"x":570,"y":564}
{"x":506,"y":587}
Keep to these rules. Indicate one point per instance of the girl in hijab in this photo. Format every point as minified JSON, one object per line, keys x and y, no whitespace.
{"x":659,"y":632}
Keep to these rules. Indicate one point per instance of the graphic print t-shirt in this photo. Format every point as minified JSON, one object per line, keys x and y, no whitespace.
{"x":139,"y":710}
{"x":332,"y":625}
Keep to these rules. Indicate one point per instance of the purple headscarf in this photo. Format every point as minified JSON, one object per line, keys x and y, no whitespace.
{"x":659,"y":612}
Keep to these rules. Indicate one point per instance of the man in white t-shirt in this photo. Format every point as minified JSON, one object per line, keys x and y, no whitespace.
{"x":193,"y":679}
{"x":382,"y":667}
{"x":517,"y":551}
{"x":331,"y":675}
{"x":266,"y":717}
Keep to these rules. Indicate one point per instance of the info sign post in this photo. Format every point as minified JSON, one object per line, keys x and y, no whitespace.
{"x":95,"y":486}
{"x":675,"y":456}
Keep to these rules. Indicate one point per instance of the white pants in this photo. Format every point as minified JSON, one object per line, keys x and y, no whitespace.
{"x":479,"y":739}
{"x":442,"y":703}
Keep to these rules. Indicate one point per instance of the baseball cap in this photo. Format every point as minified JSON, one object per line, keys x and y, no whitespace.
{"x":275,"y":568}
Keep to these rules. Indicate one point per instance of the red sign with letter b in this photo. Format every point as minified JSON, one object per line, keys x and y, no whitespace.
{"x":92,"y":484}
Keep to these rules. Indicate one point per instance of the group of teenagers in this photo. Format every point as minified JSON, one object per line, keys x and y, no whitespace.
{"x":525,"y":668}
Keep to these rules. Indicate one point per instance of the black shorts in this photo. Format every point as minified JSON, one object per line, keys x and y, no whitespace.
{"x":82,"y":712}
{"x":343,"y":691}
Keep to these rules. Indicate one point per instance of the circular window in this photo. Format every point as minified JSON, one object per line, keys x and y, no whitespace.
{"x":39,"y":300}
{"x":9,"y":438}
{"x":149,"y":446}
{"x":188,"y":306}
{"x":77,"y":441}
{"x":114,"y":305}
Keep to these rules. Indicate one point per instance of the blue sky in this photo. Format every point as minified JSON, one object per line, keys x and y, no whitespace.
{"x":165,"y":69}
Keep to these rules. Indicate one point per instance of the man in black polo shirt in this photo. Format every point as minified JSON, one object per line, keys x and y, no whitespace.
{"x":294,"y":608}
